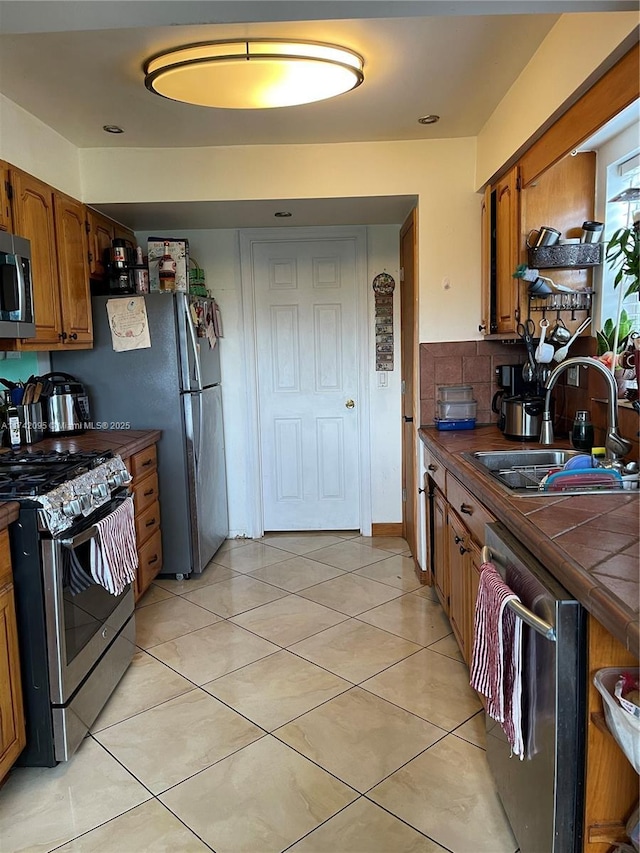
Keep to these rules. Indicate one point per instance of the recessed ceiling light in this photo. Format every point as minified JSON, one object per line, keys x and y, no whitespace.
{"x":430,"y":119}
{"x":112,"y":128}
{"x":253,"y":74}
{"x":283,"y":213}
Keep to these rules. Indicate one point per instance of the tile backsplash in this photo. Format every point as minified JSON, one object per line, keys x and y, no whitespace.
{"x":474,"y":363}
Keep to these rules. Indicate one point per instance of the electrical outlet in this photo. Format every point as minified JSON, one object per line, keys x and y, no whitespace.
{"x":573,"y":376}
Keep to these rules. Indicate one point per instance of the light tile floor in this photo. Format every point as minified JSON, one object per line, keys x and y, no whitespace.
{"x":304,"y":694}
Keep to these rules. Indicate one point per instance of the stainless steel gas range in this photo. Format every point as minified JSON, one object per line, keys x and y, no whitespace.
{"x":76,"y":639}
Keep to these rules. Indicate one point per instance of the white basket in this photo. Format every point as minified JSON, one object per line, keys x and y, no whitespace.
{"x":624,"y":727}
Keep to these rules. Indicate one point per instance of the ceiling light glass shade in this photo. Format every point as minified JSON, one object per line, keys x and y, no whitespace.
{"x":250,"y":75}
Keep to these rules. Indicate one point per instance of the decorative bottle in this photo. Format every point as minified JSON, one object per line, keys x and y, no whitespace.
{"x":167,"y":270}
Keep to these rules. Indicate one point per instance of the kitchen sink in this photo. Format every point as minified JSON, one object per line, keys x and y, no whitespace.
{"x":522,"y":471}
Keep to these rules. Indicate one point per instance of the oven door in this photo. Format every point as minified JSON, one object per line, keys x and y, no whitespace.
{"x":81,"y":626}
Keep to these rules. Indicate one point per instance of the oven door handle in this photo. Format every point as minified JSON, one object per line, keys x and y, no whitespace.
{"x":81,"y":538}
{"x":90,"y":532}
{"x":528,"y":617}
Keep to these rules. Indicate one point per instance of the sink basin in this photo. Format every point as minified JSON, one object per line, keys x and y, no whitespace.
{"x":521,"y":471}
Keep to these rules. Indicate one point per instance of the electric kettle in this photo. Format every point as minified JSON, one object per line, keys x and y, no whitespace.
{"x":67,"y":405}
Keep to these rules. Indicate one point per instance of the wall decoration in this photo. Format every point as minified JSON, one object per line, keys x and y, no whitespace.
{"x":383,"y":287}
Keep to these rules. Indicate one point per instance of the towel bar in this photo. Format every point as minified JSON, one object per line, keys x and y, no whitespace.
{"x":529,"y":618}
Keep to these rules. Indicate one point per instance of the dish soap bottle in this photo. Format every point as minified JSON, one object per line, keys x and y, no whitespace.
{"x":582,"y":432}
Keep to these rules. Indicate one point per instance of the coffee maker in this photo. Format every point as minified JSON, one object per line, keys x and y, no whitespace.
{"x":511,"y":384}
{"x":518,"y":403}
{"x":121,"y":267}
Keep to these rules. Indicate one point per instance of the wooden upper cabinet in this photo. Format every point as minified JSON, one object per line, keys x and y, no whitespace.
{"x":33,"y":218}
{"x":486,"y":226}
{"x":507,"y":252}
{"x":73,"y":264}
{"x":100,"y":235}
{"x":6,"y":223}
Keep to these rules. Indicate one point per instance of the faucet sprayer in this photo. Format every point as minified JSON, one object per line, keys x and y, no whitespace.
{"x":615,"y":444}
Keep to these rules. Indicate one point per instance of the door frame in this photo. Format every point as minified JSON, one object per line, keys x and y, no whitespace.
{"x":253,"y":453}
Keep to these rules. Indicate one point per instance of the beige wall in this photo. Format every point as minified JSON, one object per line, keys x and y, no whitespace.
{"x":439,"y":172}
{"x":573,"y":50}
{"x":31,"y":145}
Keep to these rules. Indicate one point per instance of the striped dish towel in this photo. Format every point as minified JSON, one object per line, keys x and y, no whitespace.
{"x":496,"y":665}
{"x":113,"y":554}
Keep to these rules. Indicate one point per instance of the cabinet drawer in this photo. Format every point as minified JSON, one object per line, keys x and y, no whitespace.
{"x":435,"y":468}
{"x":5,"y":559}
{"x":149,"y":562}
{"x":146,"y":522}
{"x":470,"y":510}
{"x":145,"y":492}
{"x":142,"y":463}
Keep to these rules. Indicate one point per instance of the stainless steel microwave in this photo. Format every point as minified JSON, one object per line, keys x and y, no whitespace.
{"x":16,"y":288}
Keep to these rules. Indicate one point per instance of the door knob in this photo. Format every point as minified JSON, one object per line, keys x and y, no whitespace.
{"x":350,"y":404}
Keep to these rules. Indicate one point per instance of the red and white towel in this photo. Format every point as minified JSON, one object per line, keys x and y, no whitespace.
{"x":113,"y":553}
{"x":496,"y":665}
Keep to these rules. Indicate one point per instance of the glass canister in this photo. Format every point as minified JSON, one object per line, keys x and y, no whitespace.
{"x":582,"y":431}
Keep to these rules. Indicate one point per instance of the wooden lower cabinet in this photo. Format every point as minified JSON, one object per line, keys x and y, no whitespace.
{"x":12,"y":728}
{"x":611,"y":784}
{"x":440,"y":549}
{"x":143,"y":467}
{"x":458,"y":550}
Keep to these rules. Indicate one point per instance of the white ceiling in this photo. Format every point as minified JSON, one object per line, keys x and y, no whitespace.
{"x":78,"y":66}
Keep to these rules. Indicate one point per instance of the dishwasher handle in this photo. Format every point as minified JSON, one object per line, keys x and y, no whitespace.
{"x":529,"y":618}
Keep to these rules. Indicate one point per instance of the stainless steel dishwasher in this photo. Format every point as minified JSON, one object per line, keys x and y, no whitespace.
{"x":543,"y":795}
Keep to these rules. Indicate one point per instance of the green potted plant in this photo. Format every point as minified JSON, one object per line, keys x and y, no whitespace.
{"x":623,"y":253}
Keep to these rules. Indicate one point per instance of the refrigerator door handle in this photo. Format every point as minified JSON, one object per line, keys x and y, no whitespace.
{"x":192,"y":337}
{"x":200,"y":431}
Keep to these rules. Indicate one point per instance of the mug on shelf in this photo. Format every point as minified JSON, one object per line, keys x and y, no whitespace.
{"x":545,"y":236}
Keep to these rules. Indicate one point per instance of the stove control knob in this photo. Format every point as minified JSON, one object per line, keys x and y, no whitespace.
{"x":100,"y":490}
{"x":85,"y":502}
{"x":71,"y":508}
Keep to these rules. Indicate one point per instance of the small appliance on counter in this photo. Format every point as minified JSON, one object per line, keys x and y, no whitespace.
{"x":519,"y":406}
{"x":67,"y":405}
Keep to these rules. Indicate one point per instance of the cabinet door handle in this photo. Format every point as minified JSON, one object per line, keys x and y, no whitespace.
{"x":482,"y":327}
{"x":420,"y":491}
{"x":458,"y":540}
{"x":463,"y":550}
{"x":148,"y":492}
{"x":150,"y":523}
{"x":465,"y":509}
{"x":148,"y":462}
{"x":154,"y":559}
{"x":73,"y":336}
{"x":432,"y":467}
{"x":63,"y":336}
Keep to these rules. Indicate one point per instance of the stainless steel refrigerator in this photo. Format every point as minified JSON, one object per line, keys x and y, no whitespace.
{"x":174,"y":386}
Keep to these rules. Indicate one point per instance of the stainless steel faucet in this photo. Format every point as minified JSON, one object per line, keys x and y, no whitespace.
{"x":616,"y":446}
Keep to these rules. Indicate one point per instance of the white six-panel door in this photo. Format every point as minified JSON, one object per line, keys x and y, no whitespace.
{"x":307,"y":371}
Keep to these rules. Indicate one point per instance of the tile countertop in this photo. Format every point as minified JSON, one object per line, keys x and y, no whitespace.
{"x":124,"y":442}
{"x":590,"y":543}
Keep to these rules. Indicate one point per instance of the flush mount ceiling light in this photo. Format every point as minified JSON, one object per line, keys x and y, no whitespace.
{"x":112,"y":128}
{"x":430,"y":119}
{"x":253,"y":74}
